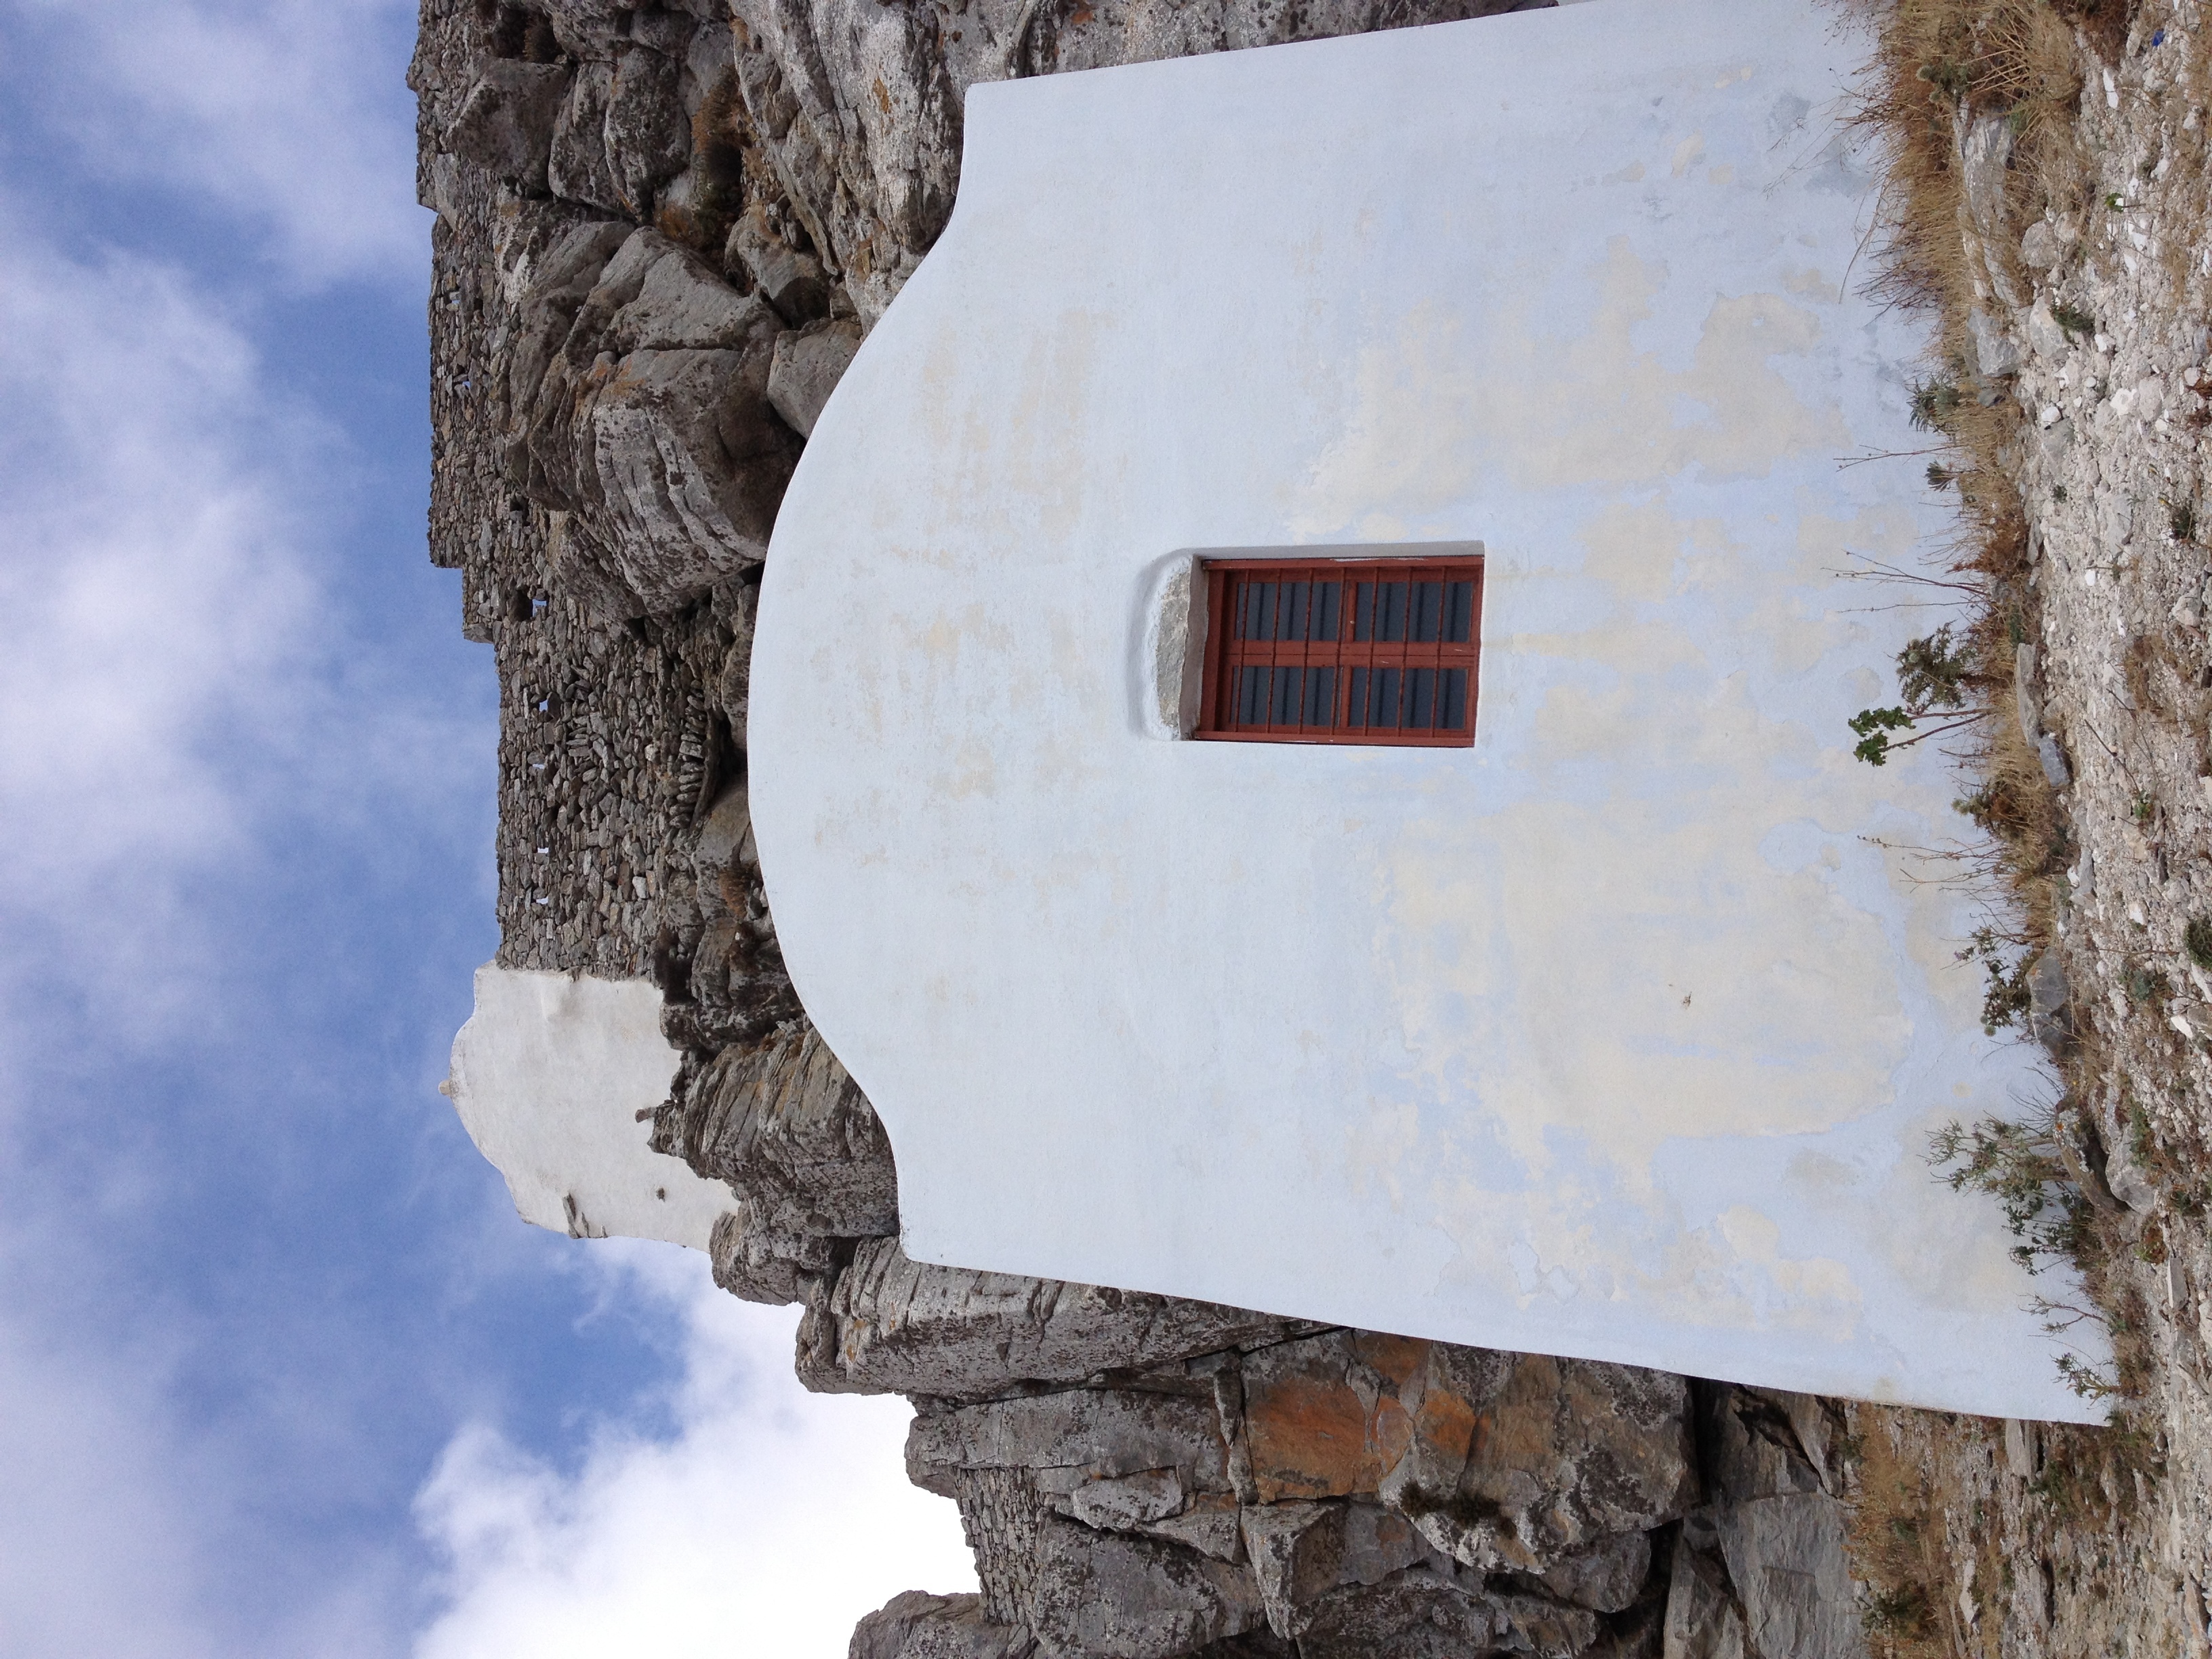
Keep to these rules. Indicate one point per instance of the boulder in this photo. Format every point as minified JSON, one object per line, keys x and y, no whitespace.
{"x":897,"y":1326}
{"x":648,"y":137}
{"x":506,"y":122}
{"x":1420,"y":1616}
{"x":677,"y":468}
{"x":1322,"y":1417}
{"x":786,"y":1126}
{"x":1209,"y":1523}
{"x":1126,"y":1503}
{"x":1302,"y":1551}
{"x":794,"y":283}
{"x":1748,"y":1446}
{"x":1787,"y":1558}
{"x":2027,"y":709}
{"x":915,"y":1626}
{"x":1703,"y":1619}
{"x":577,"y":169}
{"x":2055,"y":768}
{"x":621,"y":132}
{"x":1102,"y":1434}
{"x":2048,"y":997}
{"x":1995,"y":354}
{"x":1606,"y":1579}
{"x":1109,"y":1596}
{"x":757,"y":1262}
{"x":640,"y":411}
{"x":1518,"y":1461}
{"x":807,"y":365}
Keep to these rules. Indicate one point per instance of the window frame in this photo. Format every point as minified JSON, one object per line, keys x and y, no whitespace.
{"x":1223,"y":652}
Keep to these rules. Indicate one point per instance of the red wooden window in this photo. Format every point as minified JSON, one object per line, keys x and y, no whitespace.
{"x":1366,"y":651}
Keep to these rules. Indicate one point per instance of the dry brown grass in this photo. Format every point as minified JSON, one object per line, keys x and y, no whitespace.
{"x":1940,"y":65}
{"x":1898,"y":1549}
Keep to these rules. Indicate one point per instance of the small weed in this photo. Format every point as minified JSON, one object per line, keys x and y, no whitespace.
{"x":1949,"y":80}
{"x":2021,"y":1168}
{"x":1902,"y":1610}
{"x":2141,"y":1143}
{"x":2073,"y":320}
{"x":2085,"y":1379}
{"x":1874,"y":726}
{"x":2058,"y":493}
{"x":2005,"y":999}
{"x":2196,"y":940}
{"x":1934,"y":672}
{"x":2181,"y":519}
{"x":1939,"y":476}
{"x":2146,"y":986}
{"x":2114,"y":202}
{"x":1936,"y":405}
{"x":2145,"y":809}
{"x":2151,"y":1246}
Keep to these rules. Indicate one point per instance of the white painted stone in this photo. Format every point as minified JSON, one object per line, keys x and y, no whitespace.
{"x":1618,"y":1034}
{"x":550,"y":1075}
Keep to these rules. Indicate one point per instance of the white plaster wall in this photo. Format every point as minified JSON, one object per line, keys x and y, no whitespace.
{"x":1618,"y":1034}
{"x":550,"y":1075}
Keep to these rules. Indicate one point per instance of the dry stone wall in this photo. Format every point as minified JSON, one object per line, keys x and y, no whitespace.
{"x":662,"y":233}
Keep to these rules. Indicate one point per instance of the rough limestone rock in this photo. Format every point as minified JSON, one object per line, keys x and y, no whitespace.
{"x":1128,"y":1503}
{"x":915,"y":1626}
{"x":1095,"y":1433}
{"x":1703,"y":1619}
{"x":1419,"y":1616}
{"x":895,"y":1326}
{"x":1108,"y":1595}
{"x":790,"y":1131}
{"x":1517,"y":1461}
{"x":805,"y":369}
{"x":505,"y":124}
{"x":1786,"y":1559}
{"x":640,"y":411}
{"x":1324,"y":1417}
{"x":1302,"y":1551}
{"x":1606,"y":1579}
{"x":793,"y":282}
{"x":662,"y":231}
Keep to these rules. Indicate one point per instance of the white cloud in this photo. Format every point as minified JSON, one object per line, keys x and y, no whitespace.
{"x":170,"y":672}
{"x":290,"y":115}
{"x":167,"y":664}
{"x":766,"y":1524}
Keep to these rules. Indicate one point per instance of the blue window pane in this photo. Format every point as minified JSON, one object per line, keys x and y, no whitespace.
{"x":1382,"y":711}
{"x":1251,"y":696}
{"x":1291,"y":619}
{"x":1321,"y":695}
{"x":1325,"y":620}
{"x":1390,"y":611}
{"x":1355,"y":706}
{"x":1284,"y":710}
{"x":1459,"y":613}
{"x":1428,"y":611}
{"x":1455,"y":714}
{"x":1421,"y":699}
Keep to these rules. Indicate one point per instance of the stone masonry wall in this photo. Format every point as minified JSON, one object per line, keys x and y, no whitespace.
{"x":662,"y":232}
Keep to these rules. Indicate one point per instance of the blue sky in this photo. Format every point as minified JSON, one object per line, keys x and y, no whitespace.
{"x":279,"y":1371}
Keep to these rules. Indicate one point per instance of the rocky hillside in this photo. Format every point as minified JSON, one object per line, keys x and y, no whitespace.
{"x":2052,"y":194}
{"x":662,"y":231}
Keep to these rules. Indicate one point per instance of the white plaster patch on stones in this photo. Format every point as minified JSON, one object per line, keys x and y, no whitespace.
{"x":1617,"y":1035}
{"x":549,"y":1075}
{"x":1170,"y":660}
